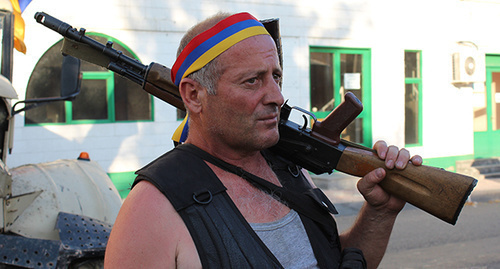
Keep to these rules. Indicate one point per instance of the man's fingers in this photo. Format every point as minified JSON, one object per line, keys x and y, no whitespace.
{"x":403,"y":158}
{"x":381,"y":148}
{"x":370,"y":180}
{"x":417,"y":160}
{"x":369,"y":188}
{"x":392,"y":157}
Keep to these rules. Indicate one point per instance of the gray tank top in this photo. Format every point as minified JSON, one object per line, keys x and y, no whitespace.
{"x":286,"y":238}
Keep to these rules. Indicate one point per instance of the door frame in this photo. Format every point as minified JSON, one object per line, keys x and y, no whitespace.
{"x":485,"y":145}
{"x":366,"y":114}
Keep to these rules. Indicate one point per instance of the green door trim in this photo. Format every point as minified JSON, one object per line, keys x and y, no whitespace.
{"x":486,"y":143}
{"x":366,"y":114}
{"x":489,"y":99}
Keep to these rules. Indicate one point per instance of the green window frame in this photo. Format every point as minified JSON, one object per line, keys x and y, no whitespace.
{"x":330,"y":83}
{"x":108,"y":77}
{"x":413,"y":98}
{"x":123,"y":100}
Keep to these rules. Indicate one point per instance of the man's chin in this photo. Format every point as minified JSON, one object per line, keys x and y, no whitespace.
{"x":271,"y":141}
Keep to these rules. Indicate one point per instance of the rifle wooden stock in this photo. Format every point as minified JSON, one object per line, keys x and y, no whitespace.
{"x":436,"y":191}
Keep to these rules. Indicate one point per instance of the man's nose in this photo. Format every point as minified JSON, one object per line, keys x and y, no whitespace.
{"x":274,"y":94}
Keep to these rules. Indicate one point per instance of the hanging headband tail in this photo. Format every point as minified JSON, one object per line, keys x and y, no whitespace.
{"x":209,"y":44}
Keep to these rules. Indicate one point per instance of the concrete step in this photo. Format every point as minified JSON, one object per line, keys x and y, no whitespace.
{"x":480,"y":168}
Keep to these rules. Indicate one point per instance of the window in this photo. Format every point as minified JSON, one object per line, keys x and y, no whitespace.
{"x":413,"y":98}
{"x":333,"y":73}
{"x":104,"y":97}
{"x":322,"y":92}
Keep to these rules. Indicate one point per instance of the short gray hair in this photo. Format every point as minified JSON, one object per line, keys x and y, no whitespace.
{"x":208,"y":76}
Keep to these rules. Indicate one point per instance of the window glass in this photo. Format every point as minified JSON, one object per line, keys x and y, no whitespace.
{"x":91,"y":103}
{"x":45,"y":81}
{"x":131,"y":102}
{"x":100,"y":99}
{"x":2,"y":25}
{"x":412,"y":64}
{"x":351,"y":77}
{"x":334,"y":72}
{"x":413,"y":89}
{"x":321,"y":66}
{"x":411,"y":113}
{"x":495,"y":101}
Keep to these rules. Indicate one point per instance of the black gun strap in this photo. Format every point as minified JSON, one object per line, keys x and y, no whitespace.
{"x":309,"y":204}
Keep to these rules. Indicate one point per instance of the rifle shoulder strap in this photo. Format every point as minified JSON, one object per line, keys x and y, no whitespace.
{"x":312,"y":205}
{"x":206,"y":209}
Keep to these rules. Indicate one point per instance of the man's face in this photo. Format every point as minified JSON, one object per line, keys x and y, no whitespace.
{"x":244,"y":113}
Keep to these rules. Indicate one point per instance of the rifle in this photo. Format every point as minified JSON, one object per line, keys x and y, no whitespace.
{"x":318,"y":149}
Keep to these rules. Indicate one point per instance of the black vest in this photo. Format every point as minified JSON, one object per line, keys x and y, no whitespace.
{"x":222,"y":236}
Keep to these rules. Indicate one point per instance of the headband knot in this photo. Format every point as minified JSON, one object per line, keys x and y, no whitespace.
{"x":209,"y":44}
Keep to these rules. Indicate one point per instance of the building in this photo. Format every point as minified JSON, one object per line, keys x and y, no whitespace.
{"x":426,"y":72}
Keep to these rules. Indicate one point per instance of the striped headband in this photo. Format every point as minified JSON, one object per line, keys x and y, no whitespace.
{"x":204,"y":47}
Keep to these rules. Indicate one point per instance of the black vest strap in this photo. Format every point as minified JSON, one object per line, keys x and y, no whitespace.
{"x":206,"y":209}
{"x":200,"y":198}
{"x":305,"y":203}
{"x":312,"y":205}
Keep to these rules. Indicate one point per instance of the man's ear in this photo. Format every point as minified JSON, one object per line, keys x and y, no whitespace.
{"x":192,"y":93}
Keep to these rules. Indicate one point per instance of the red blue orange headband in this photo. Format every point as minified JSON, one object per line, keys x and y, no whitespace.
{"x":209,"y":44}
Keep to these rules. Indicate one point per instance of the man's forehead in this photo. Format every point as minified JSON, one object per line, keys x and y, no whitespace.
{"x":261,"y":43}
{"x":250,"y":57}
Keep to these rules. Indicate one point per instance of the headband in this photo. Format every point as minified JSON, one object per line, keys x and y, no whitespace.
{"x":209,"y":44}
{"x":181,"y":133}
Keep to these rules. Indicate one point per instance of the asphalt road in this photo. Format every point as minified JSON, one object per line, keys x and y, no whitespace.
{"x":420,"y":240}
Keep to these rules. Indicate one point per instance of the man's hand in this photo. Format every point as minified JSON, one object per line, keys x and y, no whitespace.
{"x":373,"y":227}
{"x":368,"y":185}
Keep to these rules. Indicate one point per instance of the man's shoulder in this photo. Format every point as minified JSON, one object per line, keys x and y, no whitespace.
{"x":146,"y":221}
{"x":179,"y":174}
{"x":176,"y":157}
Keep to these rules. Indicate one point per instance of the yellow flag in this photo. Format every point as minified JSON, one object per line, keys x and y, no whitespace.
{"x":18,"y":27}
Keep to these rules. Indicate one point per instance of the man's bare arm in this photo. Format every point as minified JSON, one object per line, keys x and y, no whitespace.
{"x":372,"y":229}
{"x":148,"y":232}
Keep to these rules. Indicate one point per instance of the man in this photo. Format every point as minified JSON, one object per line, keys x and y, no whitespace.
{"x":230,"y":86}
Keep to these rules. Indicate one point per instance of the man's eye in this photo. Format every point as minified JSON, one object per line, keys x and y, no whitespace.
{"x":252,"y":80}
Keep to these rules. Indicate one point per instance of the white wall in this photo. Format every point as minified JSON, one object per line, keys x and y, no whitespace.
{"x":152,"y":29}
